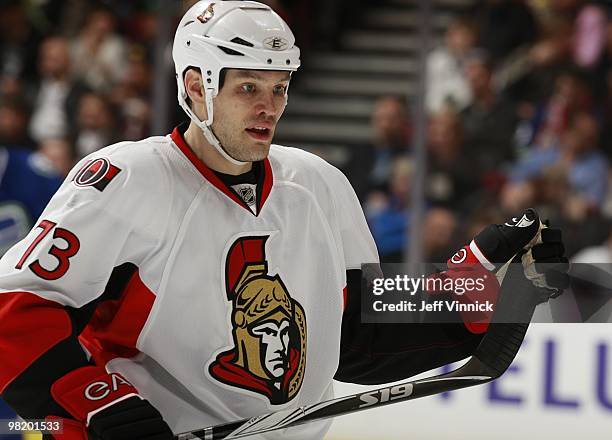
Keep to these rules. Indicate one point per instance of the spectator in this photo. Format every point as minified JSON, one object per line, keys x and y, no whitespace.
{"x":583,"y":228}
{"x":592,"y":38}
{"x":555,"y":44}
{"x":97,"y":50}
{"x":451,"y":178}
{"x":387,"y":213}
{"x":528,"y":74}
{"x":518,"y":194}
{"x":571,"y":94}
{"x":13,"y":124}
{"x":11,"y":87}
{"x":550,"y":10}
{"x":94,"y":124}
{"x":487,"y":211}
{"x":504,"y":26}
{"x":446,"y":83}
{"x":27,"y":182}
{"x":142,"y":27}
{"x":60,"y":153}
{"x":490,"y":120}
{"x":370,"y":166}
{"x":132,"y":99}
{"x":576,"y":164}
{"x":589,"y":36}
{"x":55,"y":93}
{"x":585,"y":166}
{"x":440,"y":235}
{"x":18,"y":43}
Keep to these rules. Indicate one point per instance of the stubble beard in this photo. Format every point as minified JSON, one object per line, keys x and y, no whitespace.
{"x":239,"y":146}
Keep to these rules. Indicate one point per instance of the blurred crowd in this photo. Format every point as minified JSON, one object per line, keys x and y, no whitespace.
{"x":76,"y":75}
{"x":518,"y":102}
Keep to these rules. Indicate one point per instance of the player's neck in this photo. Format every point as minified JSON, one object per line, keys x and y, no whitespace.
{"x":209,"y":154}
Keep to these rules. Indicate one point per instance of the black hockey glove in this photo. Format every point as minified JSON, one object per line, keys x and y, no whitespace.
{"x":105,"y":406}
{"x":497,"y":244}
{"x":487,"y":253}
{"x":546,"y":266}
{"x":130,"y":419}
{"x":540,"y":250}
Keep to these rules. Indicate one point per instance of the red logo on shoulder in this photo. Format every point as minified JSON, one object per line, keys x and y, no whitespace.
{"x":459,"y":256}
{"x":97,"y":173}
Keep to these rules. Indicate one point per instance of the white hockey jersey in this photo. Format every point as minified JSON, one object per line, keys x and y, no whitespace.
{"x":229,"y":312}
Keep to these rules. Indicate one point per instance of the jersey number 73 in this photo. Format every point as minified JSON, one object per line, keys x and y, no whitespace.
{"x":62,"y":255}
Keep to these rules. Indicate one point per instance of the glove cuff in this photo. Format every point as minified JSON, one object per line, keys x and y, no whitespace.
{"x":469,"y":264}
{"x":468,"y":257}
{"x":89,"y":390}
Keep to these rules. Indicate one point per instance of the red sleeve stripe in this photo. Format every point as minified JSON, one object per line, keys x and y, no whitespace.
{"x":29,"y":326}
{"x":116,"y":325}
{"x":480,"y":257}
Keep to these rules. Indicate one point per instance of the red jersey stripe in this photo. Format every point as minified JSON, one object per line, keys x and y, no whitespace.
{"x":29,"y":326}
{"x":114,"y":328}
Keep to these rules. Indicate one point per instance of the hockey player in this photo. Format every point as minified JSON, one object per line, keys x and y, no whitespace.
{"x":204,"y":276}
{"x":27,"y":183}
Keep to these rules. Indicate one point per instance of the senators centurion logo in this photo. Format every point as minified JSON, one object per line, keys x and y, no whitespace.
{"x":268,"y":355}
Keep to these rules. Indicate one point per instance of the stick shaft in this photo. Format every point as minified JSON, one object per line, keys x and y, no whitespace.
{"x":490,"y":360}
{"x":333,"y":408}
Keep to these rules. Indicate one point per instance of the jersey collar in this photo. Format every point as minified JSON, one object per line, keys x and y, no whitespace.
{"x":264,"y":186}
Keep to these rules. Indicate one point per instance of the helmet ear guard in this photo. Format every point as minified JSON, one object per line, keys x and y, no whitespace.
{"x":213,"y":36}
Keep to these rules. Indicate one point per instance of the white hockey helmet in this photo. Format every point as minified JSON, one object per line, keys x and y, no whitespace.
{"x":216,"y":35}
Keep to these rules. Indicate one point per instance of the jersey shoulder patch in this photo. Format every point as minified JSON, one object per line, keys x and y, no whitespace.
{"x":137,"y":161}
{"x":97,"y":173}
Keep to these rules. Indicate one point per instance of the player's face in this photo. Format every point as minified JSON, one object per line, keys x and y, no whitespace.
{"x":247,"y":108}
{"x":275,"y":346}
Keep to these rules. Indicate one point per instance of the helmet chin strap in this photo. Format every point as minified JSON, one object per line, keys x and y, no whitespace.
{"x":212,"y":139}
{"x":210,"y":136}
{"x":205,"y":126}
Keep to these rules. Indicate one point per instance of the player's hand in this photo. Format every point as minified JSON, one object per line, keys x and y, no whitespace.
{"x":495,"y":245}
{"x":546,"y":265}
{"x":133,"y":418}
{"x":488,"y":252}
{"x":107,"y":407}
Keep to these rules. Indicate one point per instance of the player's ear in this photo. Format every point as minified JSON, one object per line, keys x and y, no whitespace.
{"x":194,"y":86}
{"x":196,"y":94}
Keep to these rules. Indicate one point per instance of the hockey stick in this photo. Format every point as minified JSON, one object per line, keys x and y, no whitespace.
{"x":490,"y":360}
